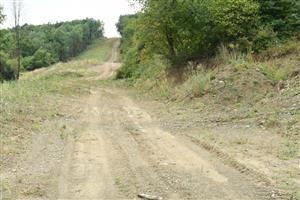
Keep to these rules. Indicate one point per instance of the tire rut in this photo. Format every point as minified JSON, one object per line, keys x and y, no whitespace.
{"x":175,"y":163}
{"x":124,"y":152}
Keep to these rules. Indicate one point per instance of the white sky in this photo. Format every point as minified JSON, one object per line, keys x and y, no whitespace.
{"x":44,"y":11}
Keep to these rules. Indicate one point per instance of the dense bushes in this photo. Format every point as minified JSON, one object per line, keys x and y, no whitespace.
{"x":6,"y":71}
{"x":281,"y":15}
{"x":41,"y":58}
{"x":44,"y":45}
{"x":183,"y":31}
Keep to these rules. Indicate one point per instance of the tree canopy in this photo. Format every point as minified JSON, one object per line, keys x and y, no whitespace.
{"x":43,"y":45}
{"x":183,"y":31}
{"x":1,"y":15}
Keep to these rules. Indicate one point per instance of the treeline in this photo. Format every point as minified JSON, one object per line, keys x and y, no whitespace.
{"x":181,"y":31}
{"x":43,"y":45}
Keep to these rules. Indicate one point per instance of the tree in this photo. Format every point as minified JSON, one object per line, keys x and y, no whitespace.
{"x":234,"y":21}
{"x":42,"y":45}
{"x":1,"y":15}
{"x":283,"y":16}
{"x":76,"y":38}
{"x":189,"y":30}
{"x":42,"y":58}
{"x":17,"y":17}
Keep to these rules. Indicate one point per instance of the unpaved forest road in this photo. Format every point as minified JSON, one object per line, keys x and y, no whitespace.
{"x":123,"y":152}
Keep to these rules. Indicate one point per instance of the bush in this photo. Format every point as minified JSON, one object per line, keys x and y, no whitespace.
{"x":234,"y":19}
{"x":41,"y":58}
{"x":282,"y":16}
{"x":6,"y":71}
{"x":191,"y":31}
{"x":27,"y":63}
{"x":264,"y":39}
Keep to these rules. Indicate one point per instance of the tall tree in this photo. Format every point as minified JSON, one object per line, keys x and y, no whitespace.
{"x":1,"y":15}
{"x":17,"y":5}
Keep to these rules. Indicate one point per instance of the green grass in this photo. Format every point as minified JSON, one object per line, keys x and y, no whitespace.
{"x":198,"y":84}
{"x":290,"y":150}
{"x":297,"y":195}
{"x":275,"y":73}
{"x":98,"y":52}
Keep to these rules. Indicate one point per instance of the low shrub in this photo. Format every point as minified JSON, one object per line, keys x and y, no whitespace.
{"x":275,"y":73}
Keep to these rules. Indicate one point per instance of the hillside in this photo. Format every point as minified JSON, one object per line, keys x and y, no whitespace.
{"x":68,"y":133}
{"x":225,"y":73}
{"x":197,"y":100}
{"x":235,"y":109}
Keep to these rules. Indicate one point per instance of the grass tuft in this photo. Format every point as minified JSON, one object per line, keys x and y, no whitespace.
{"x":198,"y":84}
{"x":290,"y":151}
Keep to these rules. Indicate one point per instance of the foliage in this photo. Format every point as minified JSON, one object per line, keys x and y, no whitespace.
{"x":6,"y":71}
{"x":189,"y":30}
{"x":234,"y":21}
{"x":183,"y":31}
{"x":282,"y":15}
{"x":43,"y":45}
{"x":41,"y":58}
{"x":1,"y":15}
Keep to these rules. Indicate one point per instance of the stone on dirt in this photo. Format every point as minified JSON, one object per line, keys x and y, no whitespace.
{"x":149,"y":197}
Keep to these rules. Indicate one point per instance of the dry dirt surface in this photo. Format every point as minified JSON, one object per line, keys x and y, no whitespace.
{"x":121,"y":152}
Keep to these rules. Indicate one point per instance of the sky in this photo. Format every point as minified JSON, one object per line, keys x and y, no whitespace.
{"x":44,"y":11}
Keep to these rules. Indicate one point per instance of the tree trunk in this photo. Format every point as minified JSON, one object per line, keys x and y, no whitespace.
{"x":18,"y":50}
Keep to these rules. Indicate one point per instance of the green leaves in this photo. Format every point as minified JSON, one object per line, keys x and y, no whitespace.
{"x":282,"y":15}
{"x":44,"y":45}
{"x":6,"y":71}
{"x":181,"y":31}
{"x":236,"y":17}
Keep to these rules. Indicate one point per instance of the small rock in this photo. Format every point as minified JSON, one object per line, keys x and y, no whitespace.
{"x":149,"y":197}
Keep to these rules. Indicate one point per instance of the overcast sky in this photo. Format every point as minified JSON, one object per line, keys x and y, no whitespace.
{"x":44,"y":11}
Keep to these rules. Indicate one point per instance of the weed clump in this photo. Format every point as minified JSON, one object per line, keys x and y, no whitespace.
{"x":198,"y":84}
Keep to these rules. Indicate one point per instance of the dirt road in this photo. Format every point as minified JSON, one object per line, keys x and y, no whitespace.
{"x":123,"y":152}
{"x":120,"y":150}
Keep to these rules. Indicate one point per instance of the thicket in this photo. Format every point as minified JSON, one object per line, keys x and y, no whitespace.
{"x":43,"y":45}
{"x":182,"y":31}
